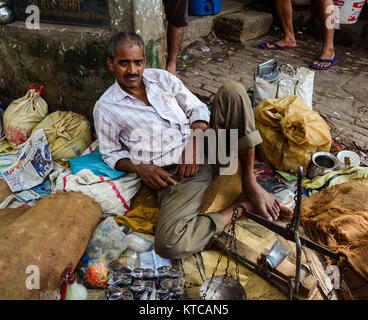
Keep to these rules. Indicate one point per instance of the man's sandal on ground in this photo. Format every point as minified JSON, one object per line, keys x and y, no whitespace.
{"x":319,"y":60}
{"x":265,"y":46}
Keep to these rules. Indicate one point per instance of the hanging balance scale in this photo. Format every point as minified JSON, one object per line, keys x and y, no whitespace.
{"x":224,"y":287}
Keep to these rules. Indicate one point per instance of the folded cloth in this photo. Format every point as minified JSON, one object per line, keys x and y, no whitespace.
{"x":333,"y":178}
{"x":113,"y":195}
{"x":94,"y":162}
{"x":141,"y":219}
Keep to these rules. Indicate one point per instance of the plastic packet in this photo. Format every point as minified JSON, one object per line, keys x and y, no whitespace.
{"x":97,"y":274}
{"x":170,"y":271}
{"x":168,"y":295}
{"x":150,"y":260}
{"x":143,"y":285}
{"x":107,"y":242}
{"x":130,"y":259}
{"x":119,"y":280}
{"x":117,"y":266}
{"x":174,"y":285}
{"x":144,"y":296}
{"x":139,"y":244}
{"x":154,"y":295}
{"x":119,"y":294}
{"x":141,"y":273}
{"x":150,"y":295}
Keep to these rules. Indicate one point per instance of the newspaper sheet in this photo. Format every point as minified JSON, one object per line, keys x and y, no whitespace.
{"x":32,"y":163}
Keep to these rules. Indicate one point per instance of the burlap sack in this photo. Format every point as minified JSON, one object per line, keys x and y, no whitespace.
{"x":337,"y":217}
{"x":49,"y":236}
{"x":4,"y":190}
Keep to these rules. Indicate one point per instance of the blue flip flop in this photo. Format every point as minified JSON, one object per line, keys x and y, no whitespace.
{"x":331,"y":61}
{"x":263,"y":45}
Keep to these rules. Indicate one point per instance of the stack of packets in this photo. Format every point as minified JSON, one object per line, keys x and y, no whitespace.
{"x":155,"y":279}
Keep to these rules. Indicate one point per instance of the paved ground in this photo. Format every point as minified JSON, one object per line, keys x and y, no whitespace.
{"x":339,"y":93}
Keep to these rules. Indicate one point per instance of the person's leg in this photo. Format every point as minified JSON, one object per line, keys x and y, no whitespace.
{"x":328,"y":51}
{"x":180,"y":231}
{"x":177,"y":15}
{"x":174,"y":37}
{"x":284,"y":11}
{"x":232,"y":109}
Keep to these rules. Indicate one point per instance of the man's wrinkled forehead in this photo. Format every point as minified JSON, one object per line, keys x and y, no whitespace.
{"x":129,"y":52}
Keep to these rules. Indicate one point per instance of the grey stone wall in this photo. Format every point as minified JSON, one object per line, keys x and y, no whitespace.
{"x":70,"y":61}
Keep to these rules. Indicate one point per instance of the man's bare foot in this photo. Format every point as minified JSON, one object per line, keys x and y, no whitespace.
{"x":227,"y":214}
{"x":264,"y":204}
{"x":326,"y":54}
{"x":283,"y":43}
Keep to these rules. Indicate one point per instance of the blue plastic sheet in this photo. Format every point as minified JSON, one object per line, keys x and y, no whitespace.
{"x":94,"y":162}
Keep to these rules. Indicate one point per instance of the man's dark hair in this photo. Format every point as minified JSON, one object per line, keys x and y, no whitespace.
{"x":125,"y":39}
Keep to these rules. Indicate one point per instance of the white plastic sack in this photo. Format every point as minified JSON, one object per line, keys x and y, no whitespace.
{"x":113,"y":195}
{"x":299,"y":84}
{"x":107,"y":241}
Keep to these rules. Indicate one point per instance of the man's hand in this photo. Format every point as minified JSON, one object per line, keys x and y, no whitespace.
{"x":154,"y":176}
{"x":191,"y":168}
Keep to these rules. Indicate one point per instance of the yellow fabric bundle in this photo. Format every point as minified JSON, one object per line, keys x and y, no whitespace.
{"x":141,"y":219}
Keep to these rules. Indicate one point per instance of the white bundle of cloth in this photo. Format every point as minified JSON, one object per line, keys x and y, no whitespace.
{"x":113,"y":195}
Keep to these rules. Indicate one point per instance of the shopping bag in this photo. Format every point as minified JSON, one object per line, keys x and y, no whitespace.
{"x":299,"y":83}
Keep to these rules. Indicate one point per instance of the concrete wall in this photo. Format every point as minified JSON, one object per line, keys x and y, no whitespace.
{"x":70,"y":61}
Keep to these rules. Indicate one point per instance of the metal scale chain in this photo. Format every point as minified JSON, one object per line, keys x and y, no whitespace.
{"x":293,"y":284}
{"x":230,"y":243}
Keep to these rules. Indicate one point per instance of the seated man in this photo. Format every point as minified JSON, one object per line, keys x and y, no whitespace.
{"x":285,"y":12}
{"x":143,"y":103}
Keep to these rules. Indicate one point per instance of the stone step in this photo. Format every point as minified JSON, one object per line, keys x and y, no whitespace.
{"x":201,"y":26}
{"x":242,"y":26}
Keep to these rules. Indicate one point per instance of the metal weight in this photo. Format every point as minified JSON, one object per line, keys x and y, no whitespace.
{"x":222,"y":288}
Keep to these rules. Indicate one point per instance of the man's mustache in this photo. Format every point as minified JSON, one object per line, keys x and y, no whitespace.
{"x":129,"y":75}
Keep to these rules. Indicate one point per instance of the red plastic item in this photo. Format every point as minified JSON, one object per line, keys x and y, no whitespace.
{"x":67,"y":277}
{"x":38,"y":90}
